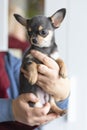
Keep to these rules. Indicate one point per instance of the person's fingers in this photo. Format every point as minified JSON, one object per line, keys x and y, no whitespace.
{"x":29,"y":97}
{"x":50,"y":117}
{"x":42,"y":78}
{"x":46,"y":119}
{"x":42,"y":111}
{"x":38,"y":114}
{"x":44,"y":70}
{"x":42,"y":116}
{"x":45,"y":109}
{"x":44,"y":59}
{"x":42,"y":85}
{"x":45,"y":87}
{"x":24,"y":71}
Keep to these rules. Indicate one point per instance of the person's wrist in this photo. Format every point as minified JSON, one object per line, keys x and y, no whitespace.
{"x":63,"y":89}
{"x":61,"y":97}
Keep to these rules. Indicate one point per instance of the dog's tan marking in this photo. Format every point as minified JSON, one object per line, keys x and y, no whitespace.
{"x":44,"y":42}
{"x":32,"y":70}
{"x":55,"y":108}
{"x":62,"y":67}
{"x":40,"y":39}
{"x":40,"y":28}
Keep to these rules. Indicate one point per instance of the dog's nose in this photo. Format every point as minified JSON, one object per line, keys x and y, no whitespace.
{"x":34,"y":40}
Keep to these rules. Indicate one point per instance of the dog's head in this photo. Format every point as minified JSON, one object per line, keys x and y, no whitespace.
{"x":41,"y":29}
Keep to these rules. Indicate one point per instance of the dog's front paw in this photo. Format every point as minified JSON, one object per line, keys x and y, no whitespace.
{"x":33,"y":74}
{"x":63,"y":72}
{"x":32,"y":78}
{"x":62,"y":68}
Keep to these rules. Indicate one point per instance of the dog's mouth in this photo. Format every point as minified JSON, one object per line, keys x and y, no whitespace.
{"x":42,"y":44}
{"x":37,"y":41}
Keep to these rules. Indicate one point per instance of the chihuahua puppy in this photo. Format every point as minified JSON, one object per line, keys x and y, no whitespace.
{"x":40,"y":31}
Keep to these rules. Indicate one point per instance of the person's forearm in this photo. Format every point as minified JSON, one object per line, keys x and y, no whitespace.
{"x":6,"y":110}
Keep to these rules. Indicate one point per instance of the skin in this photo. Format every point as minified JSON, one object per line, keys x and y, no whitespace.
{"x":49,"y":80}
{"x":31,"y":116}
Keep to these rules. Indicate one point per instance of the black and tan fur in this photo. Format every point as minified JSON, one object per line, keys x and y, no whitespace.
{"x":40,"y":31}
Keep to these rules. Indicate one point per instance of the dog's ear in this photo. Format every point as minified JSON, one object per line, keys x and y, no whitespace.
{"x":58,"y":17}
{"x":20,"y":19}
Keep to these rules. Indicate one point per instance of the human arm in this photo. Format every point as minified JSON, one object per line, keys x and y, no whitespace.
{"x":6,"y":110}
{"x":11,"y":110}
{"x":19,"y":110}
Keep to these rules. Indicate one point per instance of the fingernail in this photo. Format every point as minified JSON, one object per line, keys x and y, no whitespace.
{"x":40,"y":67}
{"x":32,"y":51}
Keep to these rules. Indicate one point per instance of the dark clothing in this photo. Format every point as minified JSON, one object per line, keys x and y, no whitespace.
{"x":15,"y":43}
{"x":15,"y":126}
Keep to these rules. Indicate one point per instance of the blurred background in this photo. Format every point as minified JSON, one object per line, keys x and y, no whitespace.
{"x":71,"y":38}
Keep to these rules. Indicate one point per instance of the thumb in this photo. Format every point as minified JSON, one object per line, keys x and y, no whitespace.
{"x":46,"y":109}
{"x":29,"y":97}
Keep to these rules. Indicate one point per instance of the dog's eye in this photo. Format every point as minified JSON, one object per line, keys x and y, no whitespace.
{"x":43,"y":33}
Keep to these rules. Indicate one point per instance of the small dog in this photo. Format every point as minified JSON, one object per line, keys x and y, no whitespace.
{"x":40,"y":31}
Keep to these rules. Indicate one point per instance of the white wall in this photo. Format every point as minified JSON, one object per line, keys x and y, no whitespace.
{"x":3,"y":25}
{"x":72,"y":38}
{"x":50,"y":8}
{"x":76,"y":59}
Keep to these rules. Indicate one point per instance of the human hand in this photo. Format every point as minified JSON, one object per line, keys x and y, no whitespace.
{"x":48,"y":77}
{"x":28,"y":115}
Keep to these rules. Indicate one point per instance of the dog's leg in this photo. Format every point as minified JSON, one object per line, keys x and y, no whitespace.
{"x":30,"y":72}
{"x":55,"y":108}
{"x":62,"y":68}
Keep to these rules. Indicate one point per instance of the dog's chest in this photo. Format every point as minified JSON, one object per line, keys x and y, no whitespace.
{"x":28,"y":58}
